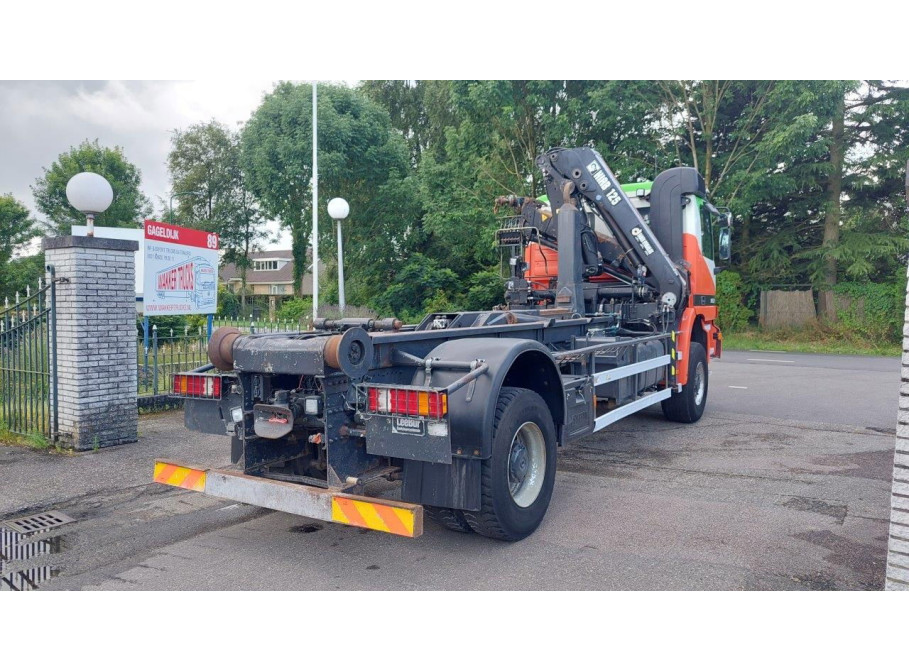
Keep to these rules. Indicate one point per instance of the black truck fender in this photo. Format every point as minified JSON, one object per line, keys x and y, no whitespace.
{"x":512,"y":362}
{"x":471,"y":409}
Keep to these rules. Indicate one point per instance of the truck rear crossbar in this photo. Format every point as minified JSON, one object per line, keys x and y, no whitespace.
{"x":394,"y":517}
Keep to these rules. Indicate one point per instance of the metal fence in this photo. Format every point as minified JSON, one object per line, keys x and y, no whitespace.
{"x":28,"y":380}
{"x":166,"y":352}
{"x":164,"y":355}
{"x":252,"y":325}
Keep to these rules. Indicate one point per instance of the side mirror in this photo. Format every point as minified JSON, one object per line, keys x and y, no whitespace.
{"x":725,"y":246}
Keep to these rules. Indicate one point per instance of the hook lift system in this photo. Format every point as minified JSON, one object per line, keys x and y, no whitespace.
{"x":610,"y":308}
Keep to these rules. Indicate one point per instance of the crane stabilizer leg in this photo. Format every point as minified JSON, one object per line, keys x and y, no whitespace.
{"x":570,"y":289}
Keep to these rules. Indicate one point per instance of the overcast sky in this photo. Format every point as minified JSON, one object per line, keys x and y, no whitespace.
{"x":39,"y":120}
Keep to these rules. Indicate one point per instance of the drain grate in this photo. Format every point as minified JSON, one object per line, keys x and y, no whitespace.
{"x":35,"y":524}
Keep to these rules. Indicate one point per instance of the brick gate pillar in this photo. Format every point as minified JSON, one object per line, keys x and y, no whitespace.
{"x":898,"y":554}
{"x":96,"y":340}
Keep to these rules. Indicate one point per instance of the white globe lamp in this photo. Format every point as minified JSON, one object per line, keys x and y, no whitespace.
{"x":91,"y":194}
{"x":338,"y":209}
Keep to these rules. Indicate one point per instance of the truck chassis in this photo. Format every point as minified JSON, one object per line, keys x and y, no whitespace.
{"x":462,"y":413}
{"x":582,"y":379}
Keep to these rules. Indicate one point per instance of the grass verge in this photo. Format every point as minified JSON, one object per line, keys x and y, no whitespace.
{"x":815,"y":340}
{"x":35,"y":441}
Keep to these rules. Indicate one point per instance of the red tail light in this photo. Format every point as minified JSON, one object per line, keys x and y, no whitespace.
{"x":197,"y":386}
{"x":411,"y":402}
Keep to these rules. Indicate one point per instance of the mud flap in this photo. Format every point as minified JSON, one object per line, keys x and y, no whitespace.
{"x":446,"y":486}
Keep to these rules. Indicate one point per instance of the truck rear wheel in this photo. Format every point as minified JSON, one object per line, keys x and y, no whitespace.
{"x":518,"y":478}
{"x":688,"y":405}
{"x":449,"y":518}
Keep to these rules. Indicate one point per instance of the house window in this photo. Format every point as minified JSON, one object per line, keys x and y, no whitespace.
{"x":277,"y":289}
{"x":266,"y":265}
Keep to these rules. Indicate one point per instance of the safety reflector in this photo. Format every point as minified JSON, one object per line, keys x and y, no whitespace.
{"x":393,"y":520}
{"x":179,"y":476}
{"x":412,"y":402}
{"x":197,"y":386}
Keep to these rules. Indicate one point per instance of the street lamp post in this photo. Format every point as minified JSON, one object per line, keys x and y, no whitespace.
{"x":338,"y":209}
{"x":91,"y":194}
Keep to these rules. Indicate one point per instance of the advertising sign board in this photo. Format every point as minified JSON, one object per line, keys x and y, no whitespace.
{"x":181,"y":270}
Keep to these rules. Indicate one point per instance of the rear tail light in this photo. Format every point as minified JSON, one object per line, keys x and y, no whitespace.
{"x":197,"y":386}
{"x":410,"y":402}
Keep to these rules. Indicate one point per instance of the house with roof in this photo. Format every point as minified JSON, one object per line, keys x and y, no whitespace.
{"x":270,"y":274}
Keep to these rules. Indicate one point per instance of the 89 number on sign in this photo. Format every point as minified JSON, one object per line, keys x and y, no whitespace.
{"x":212,"y":241}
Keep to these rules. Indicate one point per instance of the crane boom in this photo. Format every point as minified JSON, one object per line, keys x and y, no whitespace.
{"x":582,"y":174}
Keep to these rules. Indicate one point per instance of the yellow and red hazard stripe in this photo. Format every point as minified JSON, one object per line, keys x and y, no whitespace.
{"x":391,"y":519}
{"x":180,"y":476}
{"x":394,"y":517}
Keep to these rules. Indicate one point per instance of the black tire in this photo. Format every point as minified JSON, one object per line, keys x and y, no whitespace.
{"x":688,"y":405}
{"x":449,"y":518}
{"x":524,"y":412}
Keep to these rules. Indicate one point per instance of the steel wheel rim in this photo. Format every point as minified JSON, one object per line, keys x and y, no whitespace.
{"x":526,"y":464}
{"x":699,"y":383}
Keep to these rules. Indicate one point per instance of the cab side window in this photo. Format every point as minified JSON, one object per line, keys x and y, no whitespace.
{"x":707,"y":226}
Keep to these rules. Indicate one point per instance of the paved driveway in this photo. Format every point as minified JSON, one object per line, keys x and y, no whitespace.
{"x":784,"y":484}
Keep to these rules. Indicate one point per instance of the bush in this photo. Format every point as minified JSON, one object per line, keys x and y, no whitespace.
{"x":294,"y":309}
{"x":420,"y":282}
{"x":487,"y":289}
{"x":440,"y":301}
{"x":873,"y":311}
{"x":734,"y":315}
{"x":228,"y":302}
{"x":165,"y":324}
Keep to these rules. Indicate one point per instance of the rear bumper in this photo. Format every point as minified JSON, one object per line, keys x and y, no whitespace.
{"x":395,"y":517}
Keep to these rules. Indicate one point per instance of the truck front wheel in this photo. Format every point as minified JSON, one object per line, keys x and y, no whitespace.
{"x":688,"y":405}
{"x":518,"y":478}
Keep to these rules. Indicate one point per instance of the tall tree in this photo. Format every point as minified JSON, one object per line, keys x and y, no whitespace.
{"x":496,"y":130}
{"x":874,"y":231}
{"x":19,"y":274}
{"x":205,"y":169}
{"x":360,"y":159}
{"x":812,"y":169}
{"x":717,"y":127}
{"x":421,"y":110}
{"x":241,"y":229}
{"x":130,"y":205}
{"x":824,"y":202}
{"x":16,"y":228}
{"x":407,"y":112}
{"x":199,"y":163}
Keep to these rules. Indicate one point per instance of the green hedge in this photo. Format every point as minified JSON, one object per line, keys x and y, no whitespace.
{"x":734,"y":315}
{"x":876,"y":311}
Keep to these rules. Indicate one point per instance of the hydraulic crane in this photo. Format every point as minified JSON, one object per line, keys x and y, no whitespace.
{"x":464,"y":411}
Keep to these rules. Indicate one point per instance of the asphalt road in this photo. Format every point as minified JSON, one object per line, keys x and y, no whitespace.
{"x":783,"y":484}
{"x":854,"y":390}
